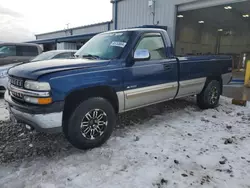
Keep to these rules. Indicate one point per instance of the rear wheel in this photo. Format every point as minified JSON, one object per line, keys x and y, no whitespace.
{"x":91,"y":124}
{"x":210,"y":95}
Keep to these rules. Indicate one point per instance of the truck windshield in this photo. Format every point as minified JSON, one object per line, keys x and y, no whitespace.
{"x":104,"y":46}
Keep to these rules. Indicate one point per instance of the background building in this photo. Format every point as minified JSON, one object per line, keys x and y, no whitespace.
{"x":195,"y":26}
{"x":72,"y":38}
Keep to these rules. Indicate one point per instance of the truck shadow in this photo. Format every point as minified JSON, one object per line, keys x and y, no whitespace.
{"x":18,"y":144}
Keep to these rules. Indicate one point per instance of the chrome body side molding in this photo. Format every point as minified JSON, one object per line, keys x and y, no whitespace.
{"x":121,"y":101}
{"x":191,"y":87}
{"x":139,"y":97}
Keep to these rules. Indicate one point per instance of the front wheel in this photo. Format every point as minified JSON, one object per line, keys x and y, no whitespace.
{"x":91,"y":124}
{"x":210,"y":95}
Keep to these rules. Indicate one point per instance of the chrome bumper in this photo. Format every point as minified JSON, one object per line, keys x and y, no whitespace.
{"x":50,"y":122}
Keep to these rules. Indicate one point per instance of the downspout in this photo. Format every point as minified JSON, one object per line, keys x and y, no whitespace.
{"x":116,"y":13}
{"x":115,"y":2}
{"x":109,"y":26}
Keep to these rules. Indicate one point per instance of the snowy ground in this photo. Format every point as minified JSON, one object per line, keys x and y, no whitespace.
{"x":4,"y":115}
{"x":173,"y":144}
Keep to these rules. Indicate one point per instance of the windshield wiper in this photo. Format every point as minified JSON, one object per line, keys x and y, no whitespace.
{"x":91,"y":56}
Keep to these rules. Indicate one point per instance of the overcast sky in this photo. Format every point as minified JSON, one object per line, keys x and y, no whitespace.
{"x":21,"y":19}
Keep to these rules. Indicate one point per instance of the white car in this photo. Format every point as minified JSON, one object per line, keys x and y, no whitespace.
{"x":4,"y":77}
{"x":53,"y":54}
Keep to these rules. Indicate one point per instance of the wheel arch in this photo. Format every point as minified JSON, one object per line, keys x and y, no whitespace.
{"x":217,"y":78}
{"x":74,"y":98}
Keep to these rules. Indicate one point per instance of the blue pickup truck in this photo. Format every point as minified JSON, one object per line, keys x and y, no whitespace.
{"x":114,"y":72}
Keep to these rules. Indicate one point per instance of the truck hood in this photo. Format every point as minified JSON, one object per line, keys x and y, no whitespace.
{"x":6,"y":67}
{"x":33,"y":70}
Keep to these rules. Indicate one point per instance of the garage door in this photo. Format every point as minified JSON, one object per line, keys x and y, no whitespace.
{"x":204,"y":4}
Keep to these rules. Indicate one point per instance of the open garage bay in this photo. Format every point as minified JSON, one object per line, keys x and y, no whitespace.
{"x":220,"y":30}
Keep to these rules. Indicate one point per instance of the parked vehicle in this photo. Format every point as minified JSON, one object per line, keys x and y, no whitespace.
{"x":18,"y":52}
{"x":4,"y":77}
{"x":116,"y":71}
{"x":53,"y":54}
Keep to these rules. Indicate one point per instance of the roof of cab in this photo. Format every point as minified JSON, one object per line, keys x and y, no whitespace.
{"x":142,"y":28}
{"x":18,"y":44}
{"x":59,"y":51}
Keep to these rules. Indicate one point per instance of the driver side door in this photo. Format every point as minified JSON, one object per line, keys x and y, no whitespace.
{"x":150,"y":81}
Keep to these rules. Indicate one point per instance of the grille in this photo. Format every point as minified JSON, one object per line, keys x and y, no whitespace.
{"x":16,"y":95}
{"x":16,"y":81}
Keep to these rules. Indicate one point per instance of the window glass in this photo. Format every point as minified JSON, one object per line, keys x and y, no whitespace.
{"x":27,"y":51}
{"x":73,"y":54}
{"x":64,"y":55}
{"x":8,"y":50}
{"x":45,"y":56}
{"x":155,"y":46}
{"x":105,"y":46}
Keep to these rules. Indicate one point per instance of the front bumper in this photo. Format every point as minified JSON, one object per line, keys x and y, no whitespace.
{"x":3,"y":84}
{"x":43,"y":119}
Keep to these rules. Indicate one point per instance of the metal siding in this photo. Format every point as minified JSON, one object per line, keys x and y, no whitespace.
{"x":52,"y":35}
{"x":93,"y":29}
{"x":133,"y":13}
{"x":70,"y":46}
{"x":112,"y":26}
{"x":60,"y":46}
{"x":66,"y":46}
{"x":75,"y":31}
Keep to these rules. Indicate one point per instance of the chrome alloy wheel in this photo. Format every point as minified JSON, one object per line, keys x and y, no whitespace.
{"x":213,"y":95}
{"x":94,"y":124}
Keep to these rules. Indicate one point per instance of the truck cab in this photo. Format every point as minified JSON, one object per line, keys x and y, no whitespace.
{"x":114,"y":72}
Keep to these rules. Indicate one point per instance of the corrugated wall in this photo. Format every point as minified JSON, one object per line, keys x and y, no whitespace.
{"x":51,"y":35}
{"x":66,"y":46}
{"x":137,"y":12}
{"x":76,"y":31}
{"x":92,"y":29}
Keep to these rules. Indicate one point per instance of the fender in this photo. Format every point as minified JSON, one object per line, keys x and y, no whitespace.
{"x":65,"y":82}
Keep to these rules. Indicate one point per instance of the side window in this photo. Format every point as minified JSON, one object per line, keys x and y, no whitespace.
{"x":63,"y":55}
{"x":155,"y":45}
{"x":8,"y":50}
{"x":27,"y":51}
{"x":73,"y":54}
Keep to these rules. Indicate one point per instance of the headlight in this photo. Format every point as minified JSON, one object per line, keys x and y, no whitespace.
{"x":36,"y":86}
{"x":4,"y":74}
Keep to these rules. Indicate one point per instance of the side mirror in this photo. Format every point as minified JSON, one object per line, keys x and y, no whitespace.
{"x":141,"y":55}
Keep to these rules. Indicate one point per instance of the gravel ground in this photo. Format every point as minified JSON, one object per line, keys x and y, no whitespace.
{"x":17,"y":144}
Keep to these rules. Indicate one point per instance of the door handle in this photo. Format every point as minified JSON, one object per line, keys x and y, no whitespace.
{"x":167,"y":67}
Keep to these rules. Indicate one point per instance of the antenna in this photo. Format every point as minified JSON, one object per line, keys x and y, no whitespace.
{"x":67,"y":25}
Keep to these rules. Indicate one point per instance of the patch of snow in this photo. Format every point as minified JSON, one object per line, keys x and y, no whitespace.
{"x":4,"y":114}
{"x":148,"y":153}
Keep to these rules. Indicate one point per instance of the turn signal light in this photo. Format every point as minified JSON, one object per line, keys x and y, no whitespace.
{"x":44,"y":100}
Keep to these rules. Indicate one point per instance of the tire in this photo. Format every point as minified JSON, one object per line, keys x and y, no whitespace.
{"x":210,"y":95}
{"x":82,"y":122}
